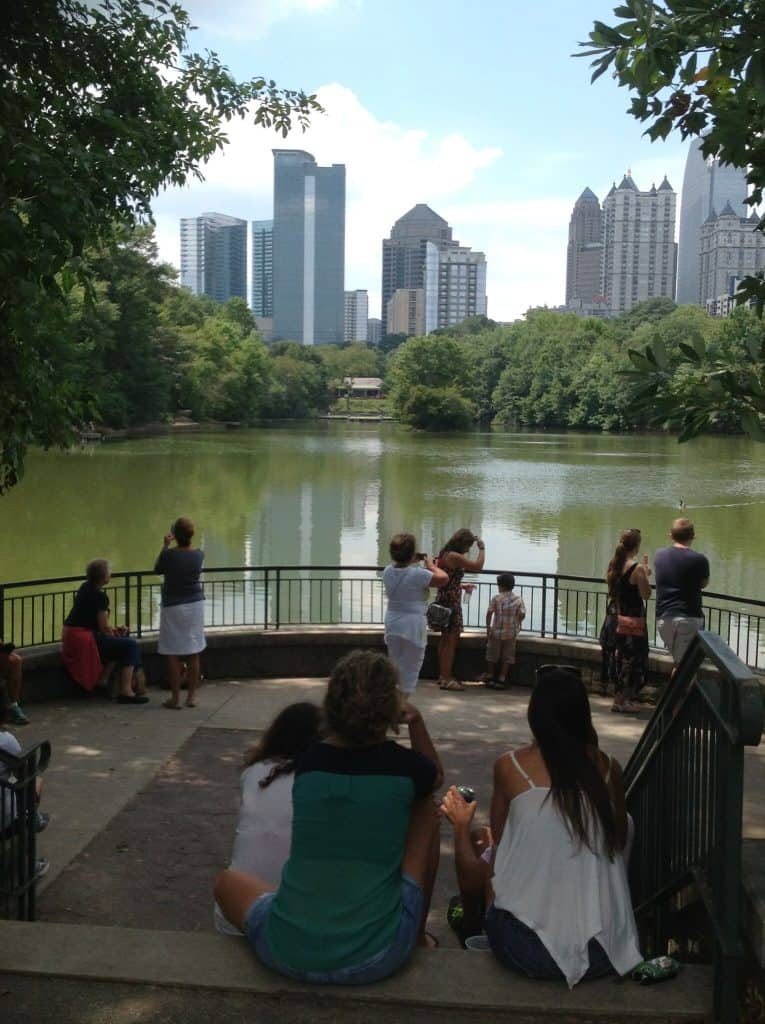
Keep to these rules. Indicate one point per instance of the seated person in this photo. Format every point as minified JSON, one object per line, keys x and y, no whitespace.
{"x":355,"y":891}
{"x":264,"y":827}
{"x":556,"y":885}
{"x":10,"y":671}
{"x":90,"y":611}
{"x":9,"y":815}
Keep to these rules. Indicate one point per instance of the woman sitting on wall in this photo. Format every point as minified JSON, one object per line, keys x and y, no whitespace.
{"x":556,"y":885}
{"x":88,"y":621}
{"x":354,"y":894}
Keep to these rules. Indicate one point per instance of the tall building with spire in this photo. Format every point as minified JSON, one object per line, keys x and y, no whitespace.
{"x":308,"y":249}
{"x":731,"y":248}
{"x":708,"y":186}
{"x":585,"y":249}
{"x":639,"y":250}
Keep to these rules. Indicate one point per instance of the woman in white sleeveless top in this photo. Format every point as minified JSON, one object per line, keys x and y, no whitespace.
{"x":558,"y":903}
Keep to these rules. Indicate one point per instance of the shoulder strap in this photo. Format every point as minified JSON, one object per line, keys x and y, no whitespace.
{"x":520,"y":770}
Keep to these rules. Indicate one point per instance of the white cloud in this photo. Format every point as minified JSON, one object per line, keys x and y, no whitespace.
{"x":252,"y":19}
{"x":389,"y":169}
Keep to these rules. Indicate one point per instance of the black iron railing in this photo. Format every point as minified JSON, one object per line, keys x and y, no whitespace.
{"x":18,"y":830}
{"x":684,"y":784}
{"x":273,"y":597}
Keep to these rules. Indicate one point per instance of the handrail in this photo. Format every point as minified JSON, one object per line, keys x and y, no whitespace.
{"x":18,"y":830}
{"x":273,"y":596}
{"x":684,"y":785}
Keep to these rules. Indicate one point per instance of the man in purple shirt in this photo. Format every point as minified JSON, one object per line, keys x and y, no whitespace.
{"x":681,"y":575}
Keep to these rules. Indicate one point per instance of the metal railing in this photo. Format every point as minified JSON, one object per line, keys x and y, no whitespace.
{"x":275,"y":596}
{"x":684,"y":786}
{"x":18,"y":830}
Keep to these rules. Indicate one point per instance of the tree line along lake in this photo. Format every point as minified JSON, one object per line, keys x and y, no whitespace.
{"x":326,"y":493}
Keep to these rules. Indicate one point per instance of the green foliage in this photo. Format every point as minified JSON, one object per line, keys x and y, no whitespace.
{"x":300,"y":382}
{"x":439,"y":408}
{"x":101,"y":105}
{"x":433,"y":370}
{"x":357,"y":360}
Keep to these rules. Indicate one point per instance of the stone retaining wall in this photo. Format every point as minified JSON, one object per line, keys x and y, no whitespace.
{"x":249,"y":653}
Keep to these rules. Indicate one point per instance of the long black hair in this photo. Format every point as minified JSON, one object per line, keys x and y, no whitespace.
{"x":292,"y":731}
{"x":560,"y":719}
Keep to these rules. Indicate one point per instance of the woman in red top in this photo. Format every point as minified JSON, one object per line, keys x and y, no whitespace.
{"x":453,"y":559}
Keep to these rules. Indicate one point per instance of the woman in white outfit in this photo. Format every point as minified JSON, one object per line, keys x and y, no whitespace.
{"x":264,"y":828}
{"x":406,"y":584}
{"x":182,"y":618}
{"x":558,"y":899}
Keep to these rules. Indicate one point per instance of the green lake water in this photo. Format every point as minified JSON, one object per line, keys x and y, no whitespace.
{"x":334,"y":493}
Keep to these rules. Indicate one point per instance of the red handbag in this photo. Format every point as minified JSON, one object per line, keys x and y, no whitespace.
{"x":630,"y":625}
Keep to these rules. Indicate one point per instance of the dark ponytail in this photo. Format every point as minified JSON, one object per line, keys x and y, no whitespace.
{"x":629,"y":541}
{"x":561,"y":722}
{"x":292,"y":731}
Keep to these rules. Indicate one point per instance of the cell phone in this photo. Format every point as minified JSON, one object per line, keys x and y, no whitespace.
{"x":421,"y":555}
{"x":467,"y":793}
{"x":171,"y":531}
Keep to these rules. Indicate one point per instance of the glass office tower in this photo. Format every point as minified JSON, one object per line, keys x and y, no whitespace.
{"x":214,"y":256}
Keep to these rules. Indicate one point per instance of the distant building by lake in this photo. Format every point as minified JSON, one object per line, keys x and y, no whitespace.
{"x":214,"y":256}
{"x":731,"y":248}
{"x":374,"y":330}
{"x":261,"y":261}
{"x":356,"y":316}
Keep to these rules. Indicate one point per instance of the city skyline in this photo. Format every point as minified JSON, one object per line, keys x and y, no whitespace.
{"x":490,"y":163}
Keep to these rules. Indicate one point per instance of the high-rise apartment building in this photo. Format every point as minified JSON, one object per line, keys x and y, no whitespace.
{"x":421,"y":255}
{"x":374,"y":330}
{"x":214,"y":256}
{"x":356,"y":314}
{"x":406,"y":252}
{"x":639,"y":251}
{"x":261,"y":261}
{"x":461,"y":285}
{"x":708,"y":186}
{"x":405,"y":312}
{"x":585,"y":251}
{"x":731,"y":248}
{"x":308,"y":249}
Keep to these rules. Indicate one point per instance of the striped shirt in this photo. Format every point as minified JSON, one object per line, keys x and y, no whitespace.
{"x":506,"y":609}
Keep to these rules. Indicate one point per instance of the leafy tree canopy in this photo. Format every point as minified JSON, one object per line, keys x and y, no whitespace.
{"x":101,"y":105}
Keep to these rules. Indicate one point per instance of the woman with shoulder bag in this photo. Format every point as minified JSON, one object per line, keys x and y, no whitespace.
{"x":628,"y":588}
{"x":453,"y":559}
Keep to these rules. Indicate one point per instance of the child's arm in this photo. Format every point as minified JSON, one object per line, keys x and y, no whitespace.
{"x":520,"y":612}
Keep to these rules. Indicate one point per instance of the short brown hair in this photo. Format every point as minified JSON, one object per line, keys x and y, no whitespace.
{"x":362,"y":700}
{"x":682,"y":531}
{"x":183,"y":530}
{"x":402,"y":547}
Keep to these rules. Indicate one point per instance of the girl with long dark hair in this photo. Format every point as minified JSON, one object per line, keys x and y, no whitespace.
{"x":559,"y":902}
{"x":628,"y":589}
{"x":264,"y":827}
{"x":452,"y":558}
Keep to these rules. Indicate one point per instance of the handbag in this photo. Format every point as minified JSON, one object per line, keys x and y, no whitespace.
{"x":630,"y":625}
{"x":438,"y":615}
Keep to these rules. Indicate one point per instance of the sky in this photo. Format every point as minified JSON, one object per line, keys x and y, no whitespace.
{"x":477,"y":109}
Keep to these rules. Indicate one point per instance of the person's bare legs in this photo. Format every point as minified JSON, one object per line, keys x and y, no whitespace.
{"x":139,"y":680}
{"x":447,"y":648}
{"x":421,"y":854}
{"x":192,"y":679}
{"x":474,"y":902}
{"x":10,"y":667}
{"x":236,"y":892}
{"x":174,"y":678}
{"x":126,"y":681}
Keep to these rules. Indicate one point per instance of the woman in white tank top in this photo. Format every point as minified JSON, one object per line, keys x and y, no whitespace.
{"x":558,"y":904}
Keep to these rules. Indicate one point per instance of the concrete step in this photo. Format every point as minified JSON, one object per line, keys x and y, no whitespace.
{"x":107,"y":975}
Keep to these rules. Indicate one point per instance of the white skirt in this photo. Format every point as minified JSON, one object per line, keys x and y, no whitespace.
{"x":182,"y":629}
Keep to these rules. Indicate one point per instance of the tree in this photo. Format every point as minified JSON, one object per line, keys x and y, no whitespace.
{"x":433,"y":370}
{"x":100,"y":107}
{"x":698,"y":68}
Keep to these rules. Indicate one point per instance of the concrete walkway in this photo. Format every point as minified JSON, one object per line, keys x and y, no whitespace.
{"x":104,"y":753}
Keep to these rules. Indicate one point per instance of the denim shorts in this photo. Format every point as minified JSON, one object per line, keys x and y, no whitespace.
{"x":374,"y":968}
{"x":519,"y":947}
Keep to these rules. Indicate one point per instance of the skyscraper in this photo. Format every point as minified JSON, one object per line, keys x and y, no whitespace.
{"x":214,"y":256}
{"x":356,"y":313}
{"x":585,"y":250}
{"x":461,"y":285}
{"x":731,"y":248}
{"x":308,"y":249}
{"x":405,"y":252}
{"x":707,"y":186}
{"x":261,"y":259}
{"x":639,"y":251}
{"x":374,"y":330}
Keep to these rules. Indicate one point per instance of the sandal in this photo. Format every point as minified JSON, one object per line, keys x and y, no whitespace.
{"x":171,"y":705}
{"x":627,"y":708}
{"x":454,"y":685}
{"x":431,"y":942}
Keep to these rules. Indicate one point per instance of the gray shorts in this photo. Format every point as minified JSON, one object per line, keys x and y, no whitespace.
{"x":500,"y":651}
{"x":677,"y":634}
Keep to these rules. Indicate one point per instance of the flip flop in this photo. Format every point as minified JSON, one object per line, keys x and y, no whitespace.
{"x":191,"y":703}
{"x":171,"y":705}
{"x":454,"y":685}
{"x":431,"y":942}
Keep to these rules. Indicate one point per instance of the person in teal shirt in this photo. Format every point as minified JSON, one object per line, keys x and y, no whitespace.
{"x":355,"y":891}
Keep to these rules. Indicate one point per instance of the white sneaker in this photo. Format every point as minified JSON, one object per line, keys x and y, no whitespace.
{"x":41,"y":867}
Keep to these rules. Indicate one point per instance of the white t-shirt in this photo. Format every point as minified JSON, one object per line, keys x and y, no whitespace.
{"x":9,"y":745}
{"x":407,"y":592}
{"x":263,"y":831}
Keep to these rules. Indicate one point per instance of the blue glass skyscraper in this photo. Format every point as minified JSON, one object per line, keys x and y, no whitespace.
{"x":308,"y":249}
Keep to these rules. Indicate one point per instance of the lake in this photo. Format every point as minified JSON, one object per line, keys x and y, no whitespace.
{"x":329,"y":493}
